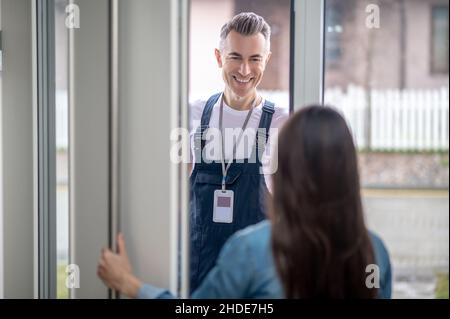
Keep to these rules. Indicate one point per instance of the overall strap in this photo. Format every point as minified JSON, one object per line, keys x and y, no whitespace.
{"x":207,"y":111}
{"x":262,"y":135}
{"x":199,"y":142}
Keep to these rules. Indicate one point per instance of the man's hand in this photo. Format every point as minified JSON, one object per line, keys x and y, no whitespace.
{"x":115,"y":270}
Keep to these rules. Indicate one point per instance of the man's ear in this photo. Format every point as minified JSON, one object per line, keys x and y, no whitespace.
{"x":218,"y":57}
{"x":268,"y":57}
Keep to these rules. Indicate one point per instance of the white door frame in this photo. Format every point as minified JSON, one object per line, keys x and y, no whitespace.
{"x":18,"y":150}
{"x":308,"y":57}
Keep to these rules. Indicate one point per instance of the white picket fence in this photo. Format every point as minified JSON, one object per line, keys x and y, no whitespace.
{"x":407,"y":120}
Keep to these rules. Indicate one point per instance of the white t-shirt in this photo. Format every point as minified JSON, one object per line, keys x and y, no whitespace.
{"x":233,"y":120}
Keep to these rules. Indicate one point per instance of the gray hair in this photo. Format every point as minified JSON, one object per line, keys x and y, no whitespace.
{"x":246,"y":23}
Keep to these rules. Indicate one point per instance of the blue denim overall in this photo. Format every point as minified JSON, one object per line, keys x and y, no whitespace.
{"x":244,"y":177}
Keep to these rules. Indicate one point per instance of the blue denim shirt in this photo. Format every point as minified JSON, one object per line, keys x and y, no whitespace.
{"x":245,"y":269}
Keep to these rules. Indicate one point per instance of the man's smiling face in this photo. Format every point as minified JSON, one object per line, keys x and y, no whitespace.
{"x":243,"y":60}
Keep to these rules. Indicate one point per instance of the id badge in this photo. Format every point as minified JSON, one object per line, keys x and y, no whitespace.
{"x":223,"y":206}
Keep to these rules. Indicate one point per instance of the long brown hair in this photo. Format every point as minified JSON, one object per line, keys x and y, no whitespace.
{"x":320,"y":243}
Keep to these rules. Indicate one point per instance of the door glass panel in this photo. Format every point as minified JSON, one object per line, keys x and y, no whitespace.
{"x":205,"y":76}
{"x":386,"y":70}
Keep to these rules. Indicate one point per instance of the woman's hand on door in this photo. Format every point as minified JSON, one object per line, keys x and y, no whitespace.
{"x":116,"y":272}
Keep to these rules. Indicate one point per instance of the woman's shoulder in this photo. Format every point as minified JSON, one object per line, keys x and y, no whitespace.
{"x":251,"y":243}
{"x":254,"y":239}
{"x":378,"y":246}
{"x":254,"y":233}
{"x":383,"y":262}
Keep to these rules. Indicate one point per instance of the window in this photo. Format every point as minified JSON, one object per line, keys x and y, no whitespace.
{"x":439,"y":39}
{"x":398,"y":114}
{"x":333,"y":28}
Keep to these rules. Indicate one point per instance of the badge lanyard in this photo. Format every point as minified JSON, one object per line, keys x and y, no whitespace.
{"x":225,"y":168}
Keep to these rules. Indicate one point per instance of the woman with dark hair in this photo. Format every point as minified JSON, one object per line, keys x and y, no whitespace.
{"x":315,"y":245}
{"x":320,"y":243}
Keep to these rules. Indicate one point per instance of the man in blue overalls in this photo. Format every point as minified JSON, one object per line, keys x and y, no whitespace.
{"x":228,"y":184}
